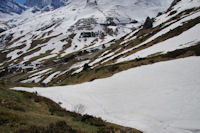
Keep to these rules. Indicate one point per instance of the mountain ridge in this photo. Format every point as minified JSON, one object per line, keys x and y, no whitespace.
{"x":11,"y":6}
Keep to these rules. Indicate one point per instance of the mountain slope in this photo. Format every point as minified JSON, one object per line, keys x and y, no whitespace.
{"x":53,"y":55}
{"x":45,"y":3}
{"x":70,"y":45}
{"x":10,"y":6}
{"x":36,"y":40}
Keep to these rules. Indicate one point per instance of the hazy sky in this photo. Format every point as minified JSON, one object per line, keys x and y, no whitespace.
{"x":20,"y":1}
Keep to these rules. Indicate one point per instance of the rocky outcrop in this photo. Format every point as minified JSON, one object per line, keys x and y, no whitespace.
{"x":148,"y":23}
{"x":173,"y":4}
{"x":91,"y":3}
{"x":88,"y":34}
{"x":45,"y":3}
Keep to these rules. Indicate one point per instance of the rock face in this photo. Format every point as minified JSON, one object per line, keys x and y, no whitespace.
{"x":45,"y":3}
{"x":173,"y":4}
{"x":148,"y":23}
{"x":91,"y":2}
{"x":11,"y":6}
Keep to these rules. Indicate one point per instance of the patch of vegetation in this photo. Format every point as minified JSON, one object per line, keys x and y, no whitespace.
{"x":106,"y":71}
{"x":21,"y":57}
{"x":58,"y":127}
{"x":42,"y":41}
{"x":48,"y":52}
{"x":93,"y":121}
{"x":23,"y":112}
{"x":3,"y":56}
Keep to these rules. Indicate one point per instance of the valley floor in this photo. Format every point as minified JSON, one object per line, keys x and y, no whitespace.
{"x":159,"y":98}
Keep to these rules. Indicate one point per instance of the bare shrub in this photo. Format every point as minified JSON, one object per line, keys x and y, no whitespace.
{"x":79,"y":108}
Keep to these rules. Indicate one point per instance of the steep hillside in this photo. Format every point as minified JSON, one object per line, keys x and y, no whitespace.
{"x":22,"y":112}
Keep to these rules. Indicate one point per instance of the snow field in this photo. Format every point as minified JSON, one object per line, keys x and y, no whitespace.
{"x":159,"y":98}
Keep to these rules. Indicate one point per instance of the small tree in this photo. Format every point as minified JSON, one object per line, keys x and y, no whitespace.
{"x":80,"y":108}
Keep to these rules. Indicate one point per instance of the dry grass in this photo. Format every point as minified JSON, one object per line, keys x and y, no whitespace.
{"x":23,"y":112}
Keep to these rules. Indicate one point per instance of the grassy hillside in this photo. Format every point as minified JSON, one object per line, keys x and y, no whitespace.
{"x":23,"y":112}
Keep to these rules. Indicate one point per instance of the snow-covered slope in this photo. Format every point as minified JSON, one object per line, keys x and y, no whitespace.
{"x":159,"y":98}
{"x":8,"y":8}
{"x":59,"y":31}
{"x":93,"y":36}
{"x":168,"y":35}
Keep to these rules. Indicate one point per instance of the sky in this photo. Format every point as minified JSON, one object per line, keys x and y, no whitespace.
{"x":21,"y":1}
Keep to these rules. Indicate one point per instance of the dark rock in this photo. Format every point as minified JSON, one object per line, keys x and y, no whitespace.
{"x":91,"y":3}
{"x":69,"y":58}
{"x":134,"y":22}
{"x":88,"y":34}
{"x":2,"y":30}
{"x":172,"y":13}
{"x":86,"y":67}
{"x":173,"y":4}
{"x":159,"y":14}
{"x":148,"y":23}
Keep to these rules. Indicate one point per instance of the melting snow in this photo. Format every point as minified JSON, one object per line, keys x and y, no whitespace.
{"x":159,"y":98}
{"x":49,"y":78}
{"x":186,"y":39}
